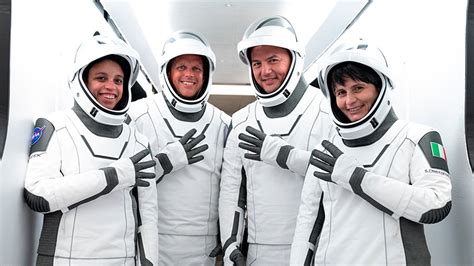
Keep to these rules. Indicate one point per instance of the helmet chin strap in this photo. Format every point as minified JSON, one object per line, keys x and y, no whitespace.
{"x":286,"y":89}
{"x":186,"y":43}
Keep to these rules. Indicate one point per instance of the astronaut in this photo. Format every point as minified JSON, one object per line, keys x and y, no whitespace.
{"x":89,"y":173}
{"x":370,"y":188}
{"x":188,"y":192}
{"x":269,"y":147}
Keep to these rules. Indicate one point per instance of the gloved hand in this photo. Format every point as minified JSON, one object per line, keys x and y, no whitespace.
{"x":189,"y":144}
{"x":237,"y":257}
{"x":216,"y":251}
{"x":139,"y":175}
{"x":339,"y":168}
{"x":269,"y":149}
{"x":273,"y":150}
{"x":252,"y":143}
{"x":128,"y":171}
{"x":178,"y":154}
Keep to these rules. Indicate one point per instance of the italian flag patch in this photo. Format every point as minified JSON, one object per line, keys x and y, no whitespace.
{"x":437,"y":150}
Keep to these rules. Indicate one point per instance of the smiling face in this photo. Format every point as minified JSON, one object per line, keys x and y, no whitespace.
{"x":105,"y":82}
{"x":355,"y":98}
{"x":270,"y":65}
{"x":187,"y":75}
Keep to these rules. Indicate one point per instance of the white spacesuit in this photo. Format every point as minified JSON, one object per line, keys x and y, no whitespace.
{"x":188,"y":192}
{"x":268,"y":184}
{"x":85,"y":174}
{"x":370,"y":189}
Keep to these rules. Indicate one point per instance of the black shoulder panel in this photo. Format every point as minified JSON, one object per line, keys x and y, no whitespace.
{"x":41,"y":135}
{"x":434,"y":152}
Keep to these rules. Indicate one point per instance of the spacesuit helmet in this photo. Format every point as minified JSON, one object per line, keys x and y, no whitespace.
{"x":182,"y":43}
{"x":368,"y":55}
{"x":89,"y":53}
{"x":273,"y":31}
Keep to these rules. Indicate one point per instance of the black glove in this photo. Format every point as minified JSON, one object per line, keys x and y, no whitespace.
{"x":128,"y":171}
{"x":178,"y":154}
{"x":216,"y":251}
{"x":273,"y":150}
{"x":338,"y":166}
{"x":139,"y":175}
{"x":324,"y":161}
{"x":218,"y":248}
{"x":189,"y":145}
{"x":237,"y":257}
{"x":270,"y":149}
{"x":252,"y":143}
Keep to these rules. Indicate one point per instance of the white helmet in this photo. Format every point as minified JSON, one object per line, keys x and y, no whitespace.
{"x":87,"y":54}
{"x":369,"y":55}
{"x":181,"y":43}
{"x":273,"y":31}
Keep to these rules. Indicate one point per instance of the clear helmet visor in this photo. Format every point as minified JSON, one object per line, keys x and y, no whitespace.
{"x":88,"y":54}
{"x":273,"y":31}
{"x":186,"y":43}
{"x":372,"y":57}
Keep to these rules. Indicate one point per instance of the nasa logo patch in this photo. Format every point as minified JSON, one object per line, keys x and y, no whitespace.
{"x":37,"y":133}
